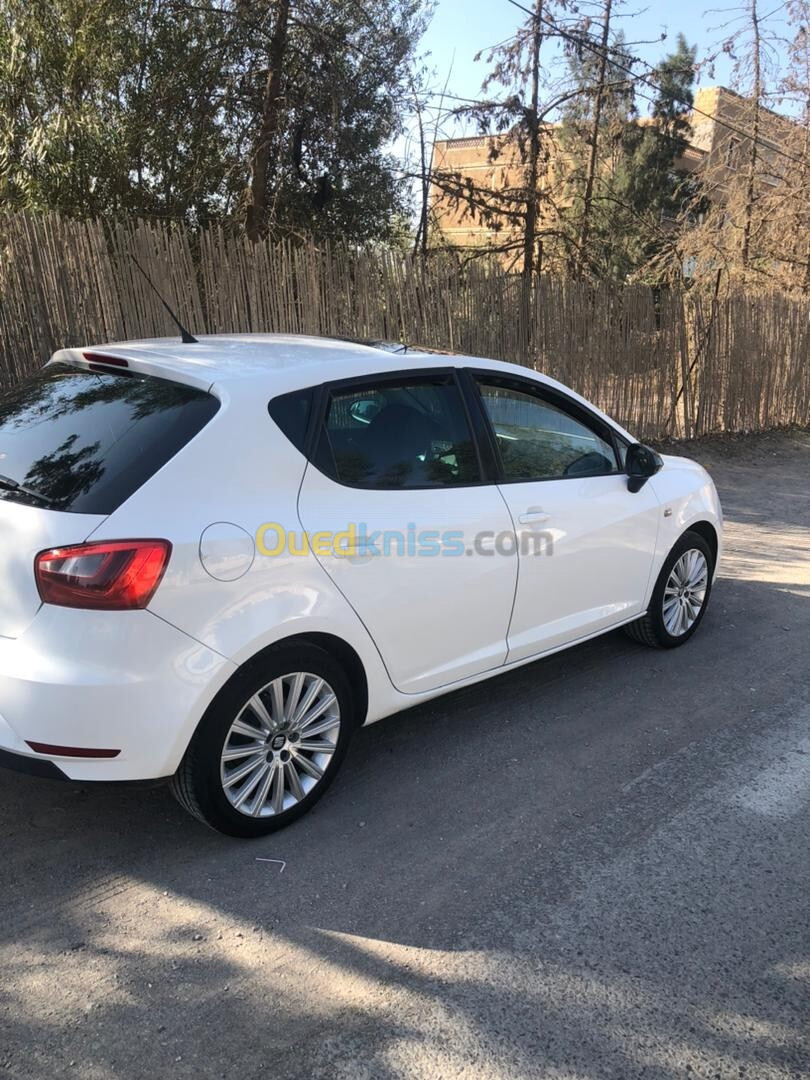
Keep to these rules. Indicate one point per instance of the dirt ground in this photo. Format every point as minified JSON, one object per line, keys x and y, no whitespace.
{"x":595,"y":866}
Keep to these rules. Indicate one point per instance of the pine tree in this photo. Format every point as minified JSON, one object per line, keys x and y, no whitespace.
{"x":632,"y":191}
{"x":597,"y":126}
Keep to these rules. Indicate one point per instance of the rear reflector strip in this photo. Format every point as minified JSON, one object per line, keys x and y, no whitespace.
{"x":71,"y":751}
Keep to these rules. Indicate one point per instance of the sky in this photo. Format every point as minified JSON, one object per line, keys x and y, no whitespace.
{"x":460,"y":28}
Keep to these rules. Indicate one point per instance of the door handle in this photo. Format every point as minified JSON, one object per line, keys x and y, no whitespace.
{"x":533,"y":515}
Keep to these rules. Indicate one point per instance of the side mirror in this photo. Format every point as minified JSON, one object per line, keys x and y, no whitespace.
{"x":640,"y":464}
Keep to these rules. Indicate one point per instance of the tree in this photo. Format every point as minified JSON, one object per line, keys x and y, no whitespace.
{"x":623,"y":190}
{"x":794,"y":235}
{"x":586,"y":184}
{"x":533,"y":156}
{"x":598,"y":129}
{"x":271,"y":115}
{"x":649,"y":191}
{"x":60,"y":142}
{"x":344,"y":90}
{"x":756,"y":62}
{"x":277,"y":114}
{"x":654,"y":148}
{"x":600,"y":93}
{"x":514,"y":116}
{"x":178,"y":111}
{"x":753,"y":226}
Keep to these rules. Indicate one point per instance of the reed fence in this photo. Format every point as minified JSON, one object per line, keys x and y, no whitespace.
{"x":663,"y":363}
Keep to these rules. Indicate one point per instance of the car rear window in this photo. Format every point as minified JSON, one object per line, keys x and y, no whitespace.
{"x":84,"y":441}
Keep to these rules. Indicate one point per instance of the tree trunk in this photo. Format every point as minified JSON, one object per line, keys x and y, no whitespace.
{"x":256,"y":195}
{"x":531,"y":181}
{"x":532,"y":170}
{"x":750,"y":190}
{"x":420,"y":243}
{"x":803,"y":200}
{"x":593,"y":157}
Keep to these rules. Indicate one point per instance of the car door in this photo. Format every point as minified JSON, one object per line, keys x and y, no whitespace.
{"x":586,"y":542}
{"x":395,"y":457}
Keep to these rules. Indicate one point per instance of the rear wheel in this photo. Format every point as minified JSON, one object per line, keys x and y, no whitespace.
{"x":680,"y":596}
{"x":270,"y":745}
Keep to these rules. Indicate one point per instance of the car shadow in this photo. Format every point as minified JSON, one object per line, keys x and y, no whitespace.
{"x":453,"y":869}
{"x":547,"y":874}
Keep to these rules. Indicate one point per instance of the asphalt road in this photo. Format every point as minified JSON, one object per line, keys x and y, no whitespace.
{"x":596,"y":866}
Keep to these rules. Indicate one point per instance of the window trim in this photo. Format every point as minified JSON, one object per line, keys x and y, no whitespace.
{"x":324,"y":392}
{"x":272,"y":409}
{"x":481,"y":428}
{"x":551,"y":396}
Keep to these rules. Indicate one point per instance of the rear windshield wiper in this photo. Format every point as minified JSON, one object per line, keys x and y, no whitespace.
{"x":12,"y":485}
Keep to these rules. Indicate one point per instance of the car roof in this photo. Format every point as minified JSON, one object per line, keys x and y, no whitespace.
{"x":273,"y":364}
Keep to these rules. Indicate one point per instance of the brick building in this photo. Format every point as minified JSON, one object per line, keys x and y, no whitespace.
{"x":714,"y":151}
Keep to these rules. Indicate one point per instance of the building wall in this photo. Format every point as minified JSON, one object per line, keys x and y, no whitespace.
{"x":728,"y":152}
{"x":492,"y":162}
{"x":489,"y":162}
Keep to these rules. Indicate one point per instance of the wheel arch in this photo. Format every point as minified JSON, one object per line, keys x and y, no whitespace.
{"x":347,"y":657}
{"x":336,"y":647}
{"x":709,"y":533}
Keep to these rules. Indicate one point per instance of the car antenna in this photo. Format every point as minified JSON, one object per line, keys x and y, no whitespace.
{"x":186,"y":337}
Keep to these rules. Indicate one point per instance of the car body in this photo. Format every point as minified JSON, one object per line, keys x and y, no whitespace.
{"x":118,"y":694}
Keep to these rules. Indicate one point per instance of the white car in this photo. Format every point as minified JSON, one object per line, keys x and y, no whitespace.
{"x":220,"y":558}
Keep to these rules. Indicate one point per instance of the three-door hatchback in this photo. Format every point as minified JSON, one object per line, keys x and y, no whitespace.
{"x":219,"y":558}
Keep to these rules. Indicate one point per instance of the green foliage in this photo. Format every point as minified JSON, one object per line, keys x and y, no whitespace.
{"x":332,"y":174}
{"x":151,"y":107}
{"x":58,"y":116}
{"x":637,"y":188}
{"x":650,"y":182}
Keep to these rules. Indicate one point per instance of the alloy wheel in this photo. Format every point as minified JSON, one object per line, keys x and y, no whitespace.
{"x":685,"y":592}
{"x":280,"y":745}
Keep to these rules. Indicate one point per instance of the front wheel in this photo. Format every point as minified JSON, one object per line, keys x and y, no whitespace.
{"x":680,"y":596}
{"x":270,"y":744}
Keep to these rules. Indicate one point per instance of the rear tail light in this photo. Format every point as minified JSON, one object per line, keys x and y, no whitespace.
{"x":116,"y":575}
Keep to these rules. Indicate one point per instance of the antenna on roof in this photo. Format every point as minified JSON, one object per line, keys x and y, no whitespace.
{"x":186,"y":337}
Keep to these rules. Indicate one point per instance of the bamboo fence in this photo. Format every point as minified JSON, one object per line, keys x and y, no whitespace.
{"x":662,"y":363}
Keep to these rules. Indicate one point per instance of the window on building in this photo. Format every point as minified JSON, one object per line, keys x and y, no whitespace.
{"x":732,"y":152}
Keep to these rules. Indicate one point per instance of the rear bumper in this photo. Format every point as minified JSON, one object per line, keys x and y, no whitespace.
{"x":126,"y":681}
{"x":33,"y":766}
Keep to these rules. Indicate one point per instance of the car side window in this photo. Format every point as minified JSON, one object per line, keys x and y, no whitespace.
{"x":538,"y":440}
{"x":412,"y":433}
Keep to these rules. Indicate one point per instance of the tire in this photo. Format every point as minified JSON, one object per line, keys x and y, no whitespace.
{"x":264,"y":700}
{"x":665,"y":629}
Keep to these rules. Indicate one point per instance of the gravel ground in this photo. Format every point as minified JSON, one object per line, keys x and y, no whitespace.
{"x":595,"y":866}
